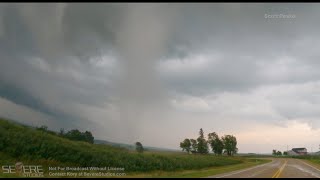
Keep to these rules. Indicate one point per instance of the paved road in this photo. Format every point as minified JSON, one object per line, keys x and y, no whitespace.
{"x":278,"y":168}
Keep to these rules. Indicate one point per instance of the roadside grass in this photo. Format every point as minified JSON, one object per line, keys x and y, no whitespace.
{"x":313,"y":162}
{"x":205,"y":172}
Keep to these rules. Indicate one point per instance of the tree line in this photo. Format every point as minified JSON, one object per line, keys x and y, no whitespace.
{"x":226,"y":144}
{"x":73,"y":134}
{"x":279,"y":153}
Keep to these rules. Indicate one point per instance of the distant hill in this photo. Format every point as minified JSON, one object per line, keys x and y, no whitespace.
{"x":132,"y":147}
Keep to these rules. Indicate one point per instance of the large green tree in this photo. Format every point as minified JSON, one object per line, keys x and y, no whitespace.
{"x":88,"y":137}
{"x":230,"y":144}
{"x":202,"y":143}
{"x":77,"y":135}
{"x":279,"y":153}
{"x":186,"y":145}
{"x":139,"y":147}
{"x":216,"y":143}
{"x":194,"y":145}
{"x":274,"y":152}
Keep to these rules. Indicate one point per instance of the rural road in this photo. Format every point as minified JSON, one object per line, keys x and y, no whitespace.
{"x":278,"y":168}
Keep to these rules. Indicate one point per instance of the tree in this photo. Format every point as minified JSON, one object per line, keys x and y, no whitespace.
{"x":194,"y":145}
{"x":186,"y":145}
{"x":88,"y":137}
{"x":230,"y":144}
{"x":139,"y":147}
{"x":216,"y":143}
{"x":274,"y":152}
{"x":202,"y":143}
{"x":279,"y":153}
{"x":285,"y":153}
{"x":76,"y":135}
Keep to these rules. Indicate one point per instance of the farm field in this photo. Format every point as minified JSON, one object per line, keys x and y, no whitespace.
{"x":30,"y":146}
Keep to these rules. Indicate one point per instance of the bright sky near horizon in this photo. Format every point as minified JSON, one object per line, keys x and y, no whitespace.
{"x":157,"y":73}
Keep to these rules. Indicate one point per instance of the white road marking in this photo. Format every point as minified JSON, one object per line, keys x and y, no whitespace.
{"x":305,"y":170}
{"x":309,"y":165}
{"x":275,"y":163}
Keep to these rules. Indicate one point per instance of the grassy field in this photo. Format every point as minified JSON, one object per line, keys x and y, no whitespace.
{"x":205,"y":172}
{"x":20,"y":143}
{"x":314,"y":162}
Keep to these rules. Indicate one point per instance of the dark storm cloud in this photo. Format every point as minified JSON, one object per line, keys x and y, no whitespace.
{"x":50,"y":32}
{"x":248,"y":41}
{"x":58,"y":55}
{"x":114,"y":67}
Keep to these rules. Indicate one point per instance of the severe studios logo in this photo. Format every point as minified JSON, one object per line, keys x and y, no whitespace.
{"x":23,"y":170}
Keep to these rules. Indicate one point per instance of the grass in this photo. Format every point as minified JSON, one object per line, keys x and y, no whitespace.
{"x":31,"y":146}
{"x":205,"y":172}
{"x":313,"y":160}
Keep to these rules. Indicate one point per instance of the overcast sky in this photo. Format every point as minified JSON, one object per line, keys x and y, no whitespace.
{"x":157,"y":73}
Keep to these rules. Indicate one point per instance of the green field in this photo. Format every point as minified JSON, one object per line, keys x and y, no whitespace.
{"x":20,"y":143}
{"x":205,"y":172}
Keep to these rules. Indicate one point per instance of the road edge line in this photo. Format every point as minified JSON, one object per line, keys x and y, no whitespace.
{"x":309,"y":165}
